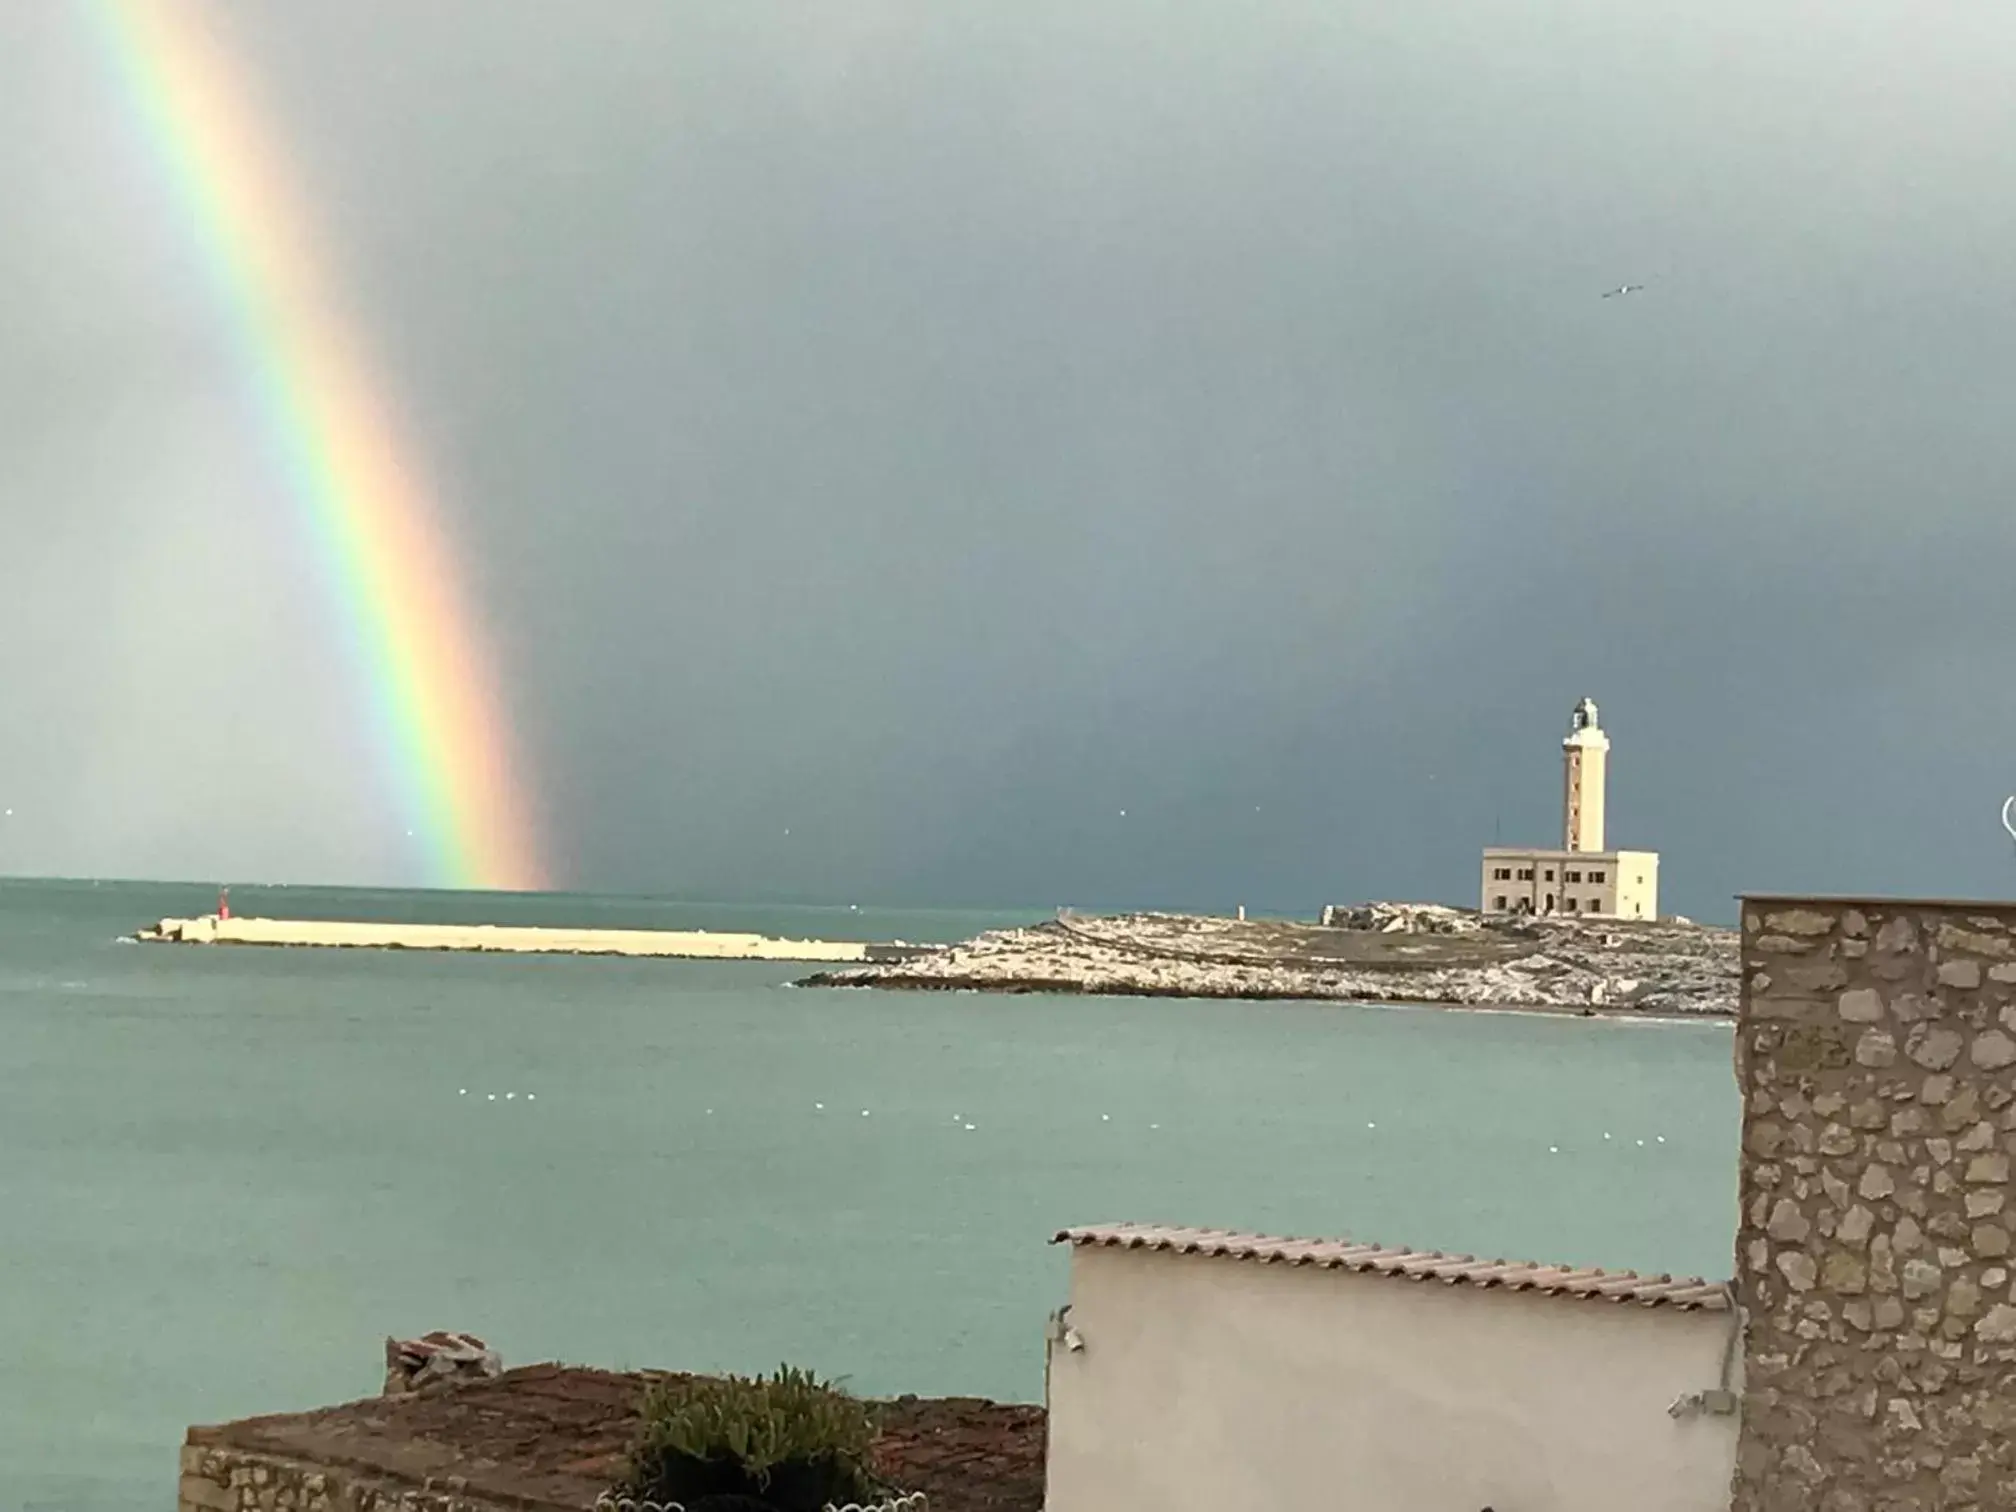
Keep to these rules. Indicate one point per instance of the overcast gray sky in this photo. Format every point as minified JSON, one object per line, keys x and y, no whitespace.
{"x":933,"y":429}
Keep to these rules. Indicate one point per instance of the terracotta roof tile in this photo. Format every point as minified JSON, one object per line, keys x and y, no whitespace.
{"x":1689,"y":1293}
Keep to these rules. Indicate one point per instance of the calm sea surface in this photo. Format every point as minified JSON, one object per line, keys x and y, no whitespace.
{"x":226,"y":1175}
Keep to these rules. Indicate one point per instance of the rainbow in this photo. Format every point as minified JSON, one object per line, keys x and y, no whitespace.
{"x":420,"y":648}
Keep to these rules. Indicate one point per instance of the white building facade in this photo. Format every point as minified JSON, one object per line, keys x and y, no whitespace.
{"x":1202,"y":1371}
{"x":1618,"y":884}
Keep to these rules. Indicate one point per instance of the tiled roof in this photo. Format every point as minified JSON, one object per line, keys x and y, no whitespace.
{"x":1685,"y":1293}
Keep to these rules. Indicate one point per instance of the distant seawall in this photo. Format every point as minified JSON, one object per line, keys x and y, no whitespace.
{"x":688,"y":944}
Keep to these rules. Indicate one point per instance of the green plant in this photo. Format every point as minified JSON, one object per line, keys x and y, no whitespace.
{"x":790,"y":1438}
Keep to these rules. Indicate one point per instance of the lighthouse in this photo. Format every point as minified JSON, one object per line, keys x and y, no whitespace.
{"x":1585,"y":753}
{"x":1582,"y":878}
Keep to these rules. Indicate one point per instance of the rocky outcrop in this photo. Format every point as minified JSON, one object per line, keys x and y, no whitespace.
{"x":1403,"y":918}
{"x":1374,"y":952}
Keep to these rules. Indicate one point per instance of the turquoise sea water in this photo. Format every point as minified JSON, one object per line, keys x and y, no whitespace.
{"x":226,"y":1174}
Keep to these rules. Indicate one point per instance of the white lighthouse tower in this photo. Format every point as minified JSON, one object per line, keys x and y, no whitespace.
{"x":1585,"y":754}
{"x":1582,"y":878}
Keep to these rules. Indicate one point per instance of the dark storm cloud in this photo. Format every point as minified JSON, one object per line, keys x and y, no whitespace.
{"x":933,"y":430}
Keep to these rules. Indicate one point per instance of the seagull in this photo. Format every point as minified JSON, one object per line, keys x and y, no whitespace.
{"x":1622,"y":289}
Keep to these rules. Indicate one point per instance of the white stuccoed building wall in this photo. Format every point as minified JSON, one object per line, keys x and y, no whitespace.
{"x":1207,"y":1383}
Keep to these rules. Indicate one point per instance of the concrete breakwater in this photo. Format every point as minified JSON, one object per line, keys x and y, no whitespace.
{"x":1377,"y":952}
{"x":689,"y":944}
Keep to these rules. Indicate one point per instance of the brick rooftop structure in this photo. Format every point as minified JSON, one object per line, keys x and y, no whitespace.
{"x":551,"y":1438}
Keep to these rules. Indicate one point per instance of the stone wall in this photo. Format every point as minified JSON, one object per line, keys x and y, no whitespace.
{"x":223,"y":1478}
{"x":1876,"y":1052}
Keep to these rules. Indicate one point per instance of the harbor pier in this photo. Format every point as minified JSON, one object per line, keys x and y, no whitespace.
{"x":682,"y":944}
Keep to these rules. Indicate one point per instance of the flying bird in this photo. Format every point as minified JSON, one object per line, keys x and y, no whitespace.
{"x":1622,"y":289}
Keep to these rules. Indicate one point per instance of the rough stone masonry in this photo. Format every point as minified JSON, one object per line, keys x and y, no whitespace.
{"x":1876,"y":1052}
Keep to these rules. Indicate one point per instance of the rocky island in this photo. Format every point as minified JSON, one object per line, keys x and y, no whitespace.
{"x":1372,"y":953}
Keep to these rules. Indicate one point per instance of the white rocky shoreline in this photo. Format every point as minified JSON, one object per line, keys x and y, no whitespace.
{"x":1374,"y":953}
